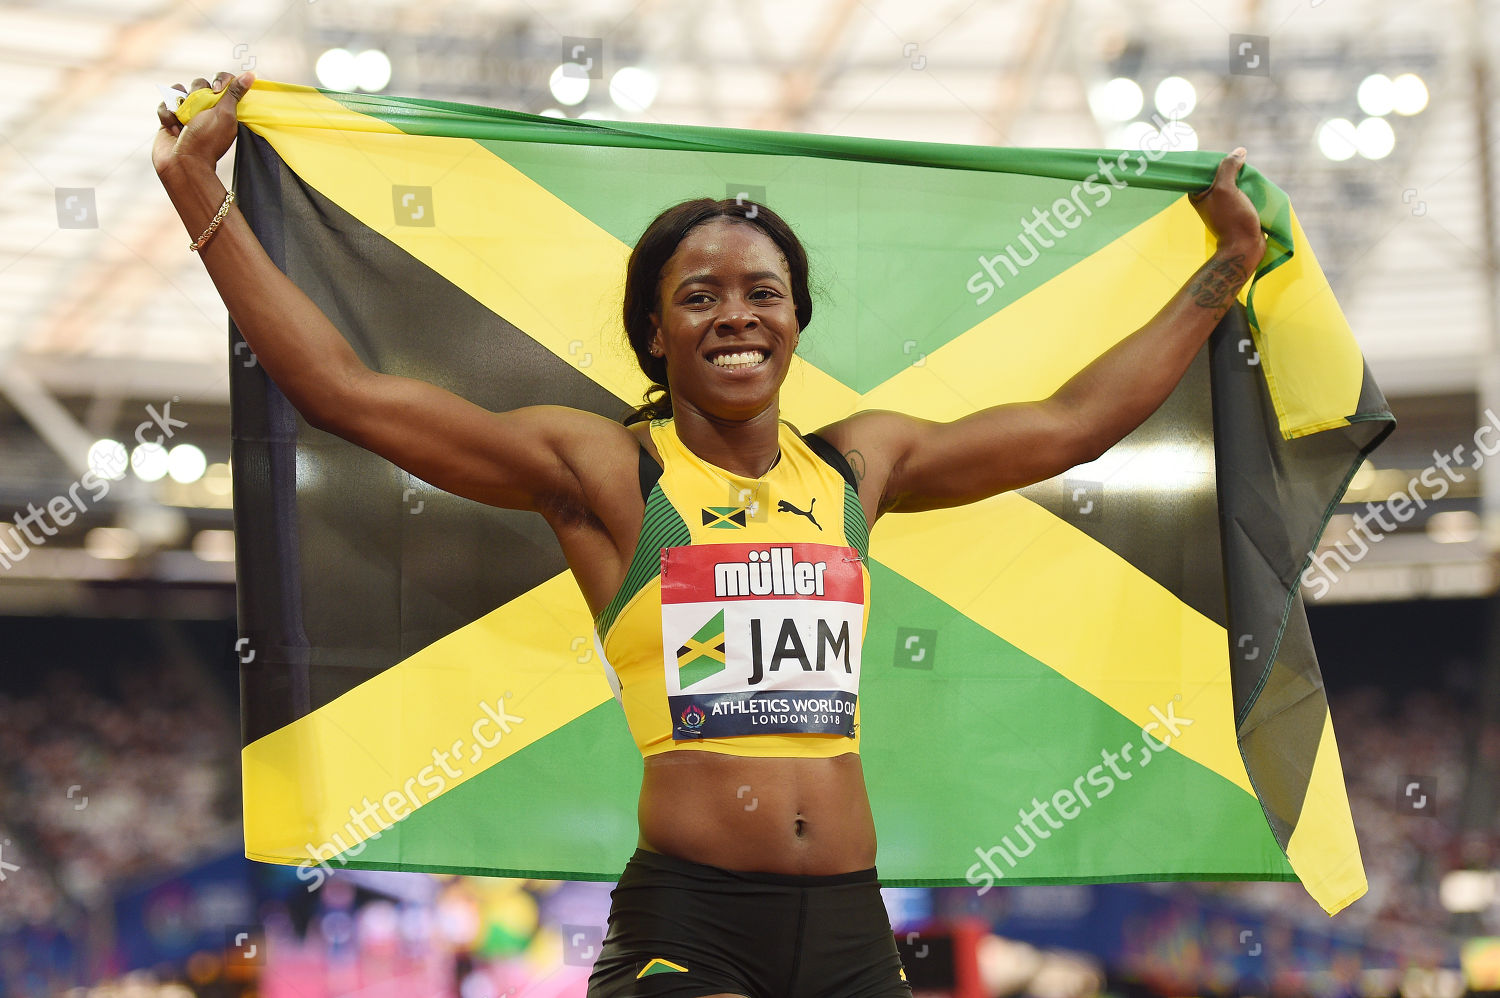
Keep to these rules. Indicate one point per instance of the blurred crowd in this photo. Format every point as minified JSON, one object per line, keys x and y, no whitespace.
{"x":1406,"y":769}
{"x":1388,"y":747}
{"x":103,"y":781}
{"x":100,"y":785}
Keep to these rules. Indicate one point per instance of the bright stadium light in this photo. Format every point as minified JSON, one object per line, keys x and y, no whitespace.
{"x":111,"y":543}
{"x":186,"y":464}
{"x":108,"y":459}
{"x":1336,"y":139}
{"x":1375,"y":138}
{"x":1136,"y":134}
{"x":217,"y":479}
{"x":1454,"y":526}
{"x":1376,"y":95}
{"x":1179,"y":136}
{"x":1467,"y":890}
{"x":1410,"y":94}
{"x":336,"y":70}
{"x":554,"y":112}
{"x":372,"y":70}
{"x":214,"y":545}
{"x":633,"y":88}
{"x":149,"y":462}
{"x":1176,"y":97}
{"x":566,"y":88}
{"x":1118,"y":100}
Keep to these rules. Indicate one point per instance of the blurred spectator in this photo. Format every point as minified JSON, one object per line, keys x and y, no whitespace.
{"x":152,"y":766}
{"x":99,"y":785}
{"x":1386,"y":740}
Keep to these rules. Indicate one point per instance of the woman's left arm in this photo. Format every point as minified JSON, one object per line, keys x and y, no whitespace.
{"x":907,"y":464}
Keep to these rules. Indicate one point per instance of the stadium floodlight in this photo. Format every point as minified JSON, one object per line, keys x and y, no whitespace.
{"x":1376,"y":95}
{"x":336,"y":69}
{"x":1118,"y":100}
{"x":567,"y":88}
{"x":1176,"y":97}
{"x":186,"y":464}
{"x":1410,"y":94}
{"x":1375,"y":138}
{"x":108,"y":459}
{"x":149,"y":462}
{"x":372,"y":70}
{"x":1336,"y":139}
{"x":633,"y":88}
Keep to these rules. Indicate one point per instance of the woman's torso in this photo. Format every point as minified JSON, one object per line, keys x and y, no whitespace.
{"x":781,"y":815}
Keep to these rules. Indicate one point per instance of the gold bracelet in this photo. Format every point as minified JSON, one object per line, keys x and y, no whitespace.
{"x":223,"y":210}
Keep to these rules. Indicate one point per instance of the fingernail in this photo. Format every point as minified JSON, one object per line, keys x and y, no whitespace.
{"x":1239,"y":152}
{"x":217,"y":84}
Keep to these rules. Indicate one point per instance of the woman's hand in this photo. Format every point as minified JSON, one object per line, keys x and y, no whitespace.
{"x":1229,"y":213}
{"x":208,"y":136}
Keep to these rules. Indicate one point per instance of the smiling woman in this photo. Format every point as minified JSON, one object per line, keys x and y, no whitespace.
{"x":755,"y":868}
{"x":754,"y":238}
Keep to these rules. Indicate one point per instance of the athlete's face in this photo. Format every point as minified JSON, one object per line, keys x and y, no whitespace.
{"x":726,"y":322}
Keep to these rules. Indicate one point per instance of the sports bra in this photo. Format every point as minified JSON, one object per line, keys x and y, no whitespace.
{"x":739,"y":625}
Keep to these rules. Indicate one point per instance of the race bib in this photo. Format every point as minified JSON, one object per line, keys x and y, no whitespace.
{"x":761,"y":639}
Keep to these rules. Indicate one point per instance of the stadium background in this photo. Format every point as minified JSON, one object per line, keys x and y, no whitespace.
{"x":119,"y":797}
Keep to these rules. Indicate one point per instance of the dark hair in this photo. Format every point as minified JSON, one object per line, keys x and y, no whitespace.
{"x":650,"y":256}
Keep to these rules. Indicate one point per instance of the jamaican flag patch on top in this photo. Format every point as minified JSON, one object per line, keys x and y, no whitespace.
{"x":724,"y":517}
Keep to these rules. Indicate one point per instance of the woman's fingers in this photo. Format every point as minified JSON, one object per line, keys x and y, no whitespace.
{"x":1226,"y":176}
{"x":168,"y":117}
{"x":1230,"y":167}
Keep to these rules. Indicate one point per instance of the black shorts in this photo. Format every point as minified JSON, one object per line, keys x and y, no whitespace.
{"x":684,"y":930}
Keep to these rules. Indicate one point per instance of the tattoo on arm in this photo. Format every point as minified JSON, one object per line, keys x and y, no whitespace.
{"x":857,"y":462}
{"x":1216,"y":284}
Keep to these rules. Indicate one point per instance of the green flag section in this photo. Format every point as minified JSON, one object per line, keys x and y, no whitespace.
{"x":1103,"y":677}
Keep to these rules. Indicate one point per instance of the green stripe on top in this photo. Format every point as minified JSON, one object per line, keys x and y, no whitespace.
{"x":661,"y":526}
{"x":856,"y":531}
{"x":898,"y":233}
{"x":1179,"y":172}
{"x":908,"y":257}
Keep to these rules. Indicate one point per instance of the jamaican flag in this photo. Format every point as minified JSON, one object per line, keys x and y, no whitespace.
{"x":1103,"y":677}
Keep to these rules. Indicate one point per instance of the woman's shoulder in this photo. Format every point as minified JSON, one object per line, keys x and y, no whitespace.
{"x":641,"y":431}
{"x":858,"y":428}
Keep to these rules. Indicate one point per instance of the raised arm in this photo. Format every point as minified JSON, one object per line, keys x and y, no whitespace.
{"x":910,"y":464}
{"x":523,"y":459}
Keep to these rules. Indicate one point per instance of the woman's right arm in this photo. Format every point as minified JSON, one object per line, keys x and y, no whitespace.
{"x":522,"y":459}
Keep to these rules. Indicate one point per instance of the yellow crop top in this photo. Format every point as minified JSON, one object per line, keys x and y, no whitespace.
{"x":739,"y":626}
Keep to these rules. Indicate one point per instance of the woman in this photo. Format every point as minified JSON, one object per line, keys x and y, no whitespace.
{"x":754,"y":874}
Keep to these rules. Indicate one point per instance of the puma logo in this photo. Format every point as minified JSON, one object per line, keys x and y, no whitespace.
{"x":783,"y":506}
